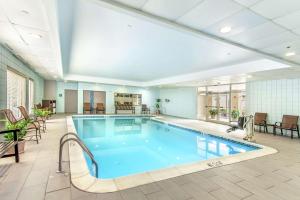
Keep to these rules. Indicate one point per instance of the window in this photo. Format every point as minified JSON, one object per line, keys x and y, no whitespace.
{"x":16,"y":92}
{"x":30,"y":96}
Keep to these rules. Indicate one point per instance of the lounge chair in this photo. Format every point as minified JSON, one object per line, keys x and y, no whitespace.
{"x":39,"y":120}
{"x":87,"y":107}
{"x":260,"y":119}
{"x":145,"y":109}
{"x":100,"y":108}
{"x":32,"y":126}
{"x":289,"y":122}
{"x":6,"y":145}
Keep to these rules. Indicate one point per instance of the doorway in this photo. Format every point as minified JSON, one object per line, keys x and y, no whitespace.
{"x":71,"y":101}
{"x":221,"y":103}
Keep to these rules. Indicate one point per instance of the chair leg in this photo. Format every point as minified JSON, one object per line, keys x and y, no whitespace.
{"x":298,"y":131}
{"x":36,"y":136}
{"x":281,"y":131}
{"x":266,"y":127}
{"x":40,"y":133}
{"x":292,"y":133}
{"x":274,"y":130}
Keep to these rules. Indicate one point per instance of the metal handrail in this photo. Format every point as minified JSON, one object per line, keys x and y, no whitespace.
{"x":78,"y":140}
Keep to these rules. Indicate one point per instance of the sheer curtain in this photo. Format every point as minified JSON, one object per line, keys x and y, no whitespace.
{"x":30,"y":96}
{"x":16,"y":92}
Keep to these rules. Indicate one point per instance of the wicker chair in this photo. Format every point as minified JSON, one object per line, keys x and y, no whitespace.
{"x":87,"y":107}
{"x":39,"y":120}
{"x":260,"y":119}
{"x":100,"y":108}
{"x":145,"y":109}
{"x":32,"y":126}
{"x":289,"y":122}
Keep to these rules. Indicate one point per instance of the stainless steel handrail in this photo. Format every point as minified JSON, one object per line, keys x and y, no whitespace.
{"x":78,"y":140}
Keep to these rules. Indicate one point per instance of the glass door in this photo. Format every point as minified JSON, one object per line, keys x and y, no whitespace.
{"x":218,"y":101}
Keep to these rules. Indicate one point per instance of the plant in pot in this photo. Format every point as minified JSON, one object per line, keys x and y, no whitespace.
{"x":21,"y":125}
{"x":42,"y":113}
{"x":213,"y":113}
{"x":157,"y":105}
{"x":223,"y":112}
{"x":235,"y":114}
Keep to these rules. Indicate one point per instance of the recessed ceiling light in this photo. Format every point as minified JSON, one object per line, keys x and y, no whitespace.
{"x":24,"y":12}
{"x":225,"y":29}
{"x":55,"y":77}
{"x":249,"y":76}
{"x":38,"y":36}
{"x":288,"y":54}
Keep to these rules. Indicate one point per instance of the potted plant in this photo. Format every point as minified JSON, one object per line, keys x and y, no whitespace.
{"x":235,"y":114}
{"x":223,"y":112}
{"x":21,"y":125}
{"x":42,"y":113}
{"x":213,"y":113}
{"x":157,"y":105}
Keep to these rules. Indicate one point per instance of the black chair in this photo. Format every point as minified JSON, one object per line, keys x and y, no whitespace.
{"x":6,"y":145}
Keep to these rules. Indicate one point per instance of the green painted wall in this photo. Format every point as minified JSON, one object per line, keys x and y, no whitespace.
{"x":7,"y":59}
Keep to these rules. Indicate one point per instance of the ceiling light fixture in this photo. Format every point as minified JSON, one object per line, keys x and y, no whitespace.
{"x":249,"y":76}
{"x":24,"y":12}
{"x":225,"y":29}
{"x":288,"y":54}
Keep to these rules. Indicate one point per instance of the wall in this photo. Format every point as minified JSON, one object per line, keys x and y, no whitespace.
{"x":183,"y":102}
{"x":8,"y":59}
{"x":148,"y":95}
{"x":49,"y":90}
{"x":275,"y":97}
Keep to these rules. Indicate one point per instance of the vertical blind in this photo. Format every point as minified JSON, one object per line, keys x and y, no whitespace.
{"x":16,"y":92}
{"x":30,"y":96}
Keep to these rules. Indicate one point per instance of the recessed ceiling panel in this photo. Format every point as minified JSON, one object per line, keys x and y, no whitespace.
{"x":209,"y":12}
{"x":170,"y":9}
{"x":8,"y":33}
{"x":276,"y":8}
{"x":277,"y":39}
{"x":238,"y":22}
{"x":26,"y":12}
{"x":118,"y":45}
{"x":262,"y":31}
{"x":290,"y":21}
{"x":34,"y":37}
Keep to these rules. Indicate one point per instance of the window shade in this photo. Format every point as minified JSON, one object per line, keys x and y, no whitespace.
{"x":16,"y":92}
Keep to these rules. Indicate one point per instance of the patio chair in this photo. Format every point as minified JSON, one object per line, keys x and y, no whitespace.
{"x":260,"y":119}
{"x":6,"y":145}
{"x":87,"y":107}
{"x":100,"y":108}
{"x":32,"y":126}
{"x":289,"y":122}
{"x":37,"y":119}
{"x":145,"y":109}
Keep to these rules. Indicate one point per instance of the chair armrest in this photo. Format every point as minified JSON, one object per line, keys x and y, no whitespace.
{"x":278,"y":123}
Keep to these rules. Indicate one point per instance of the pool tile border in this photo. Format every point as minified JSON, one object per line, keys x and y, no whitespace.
{"x":83,"y":180}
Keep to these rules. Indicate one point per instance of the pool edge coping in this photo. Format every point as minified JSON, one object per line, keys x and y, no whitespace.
{"x":83,"y":180}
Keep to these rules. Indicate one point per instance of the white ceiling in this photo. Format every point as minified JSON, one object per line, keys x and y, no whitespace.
{"x":25,"y":30}
{"x":138,"y":41}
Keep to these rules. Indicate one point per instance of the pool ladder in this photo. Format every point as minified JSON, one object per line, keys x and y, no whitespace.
{"x":81,"y":144}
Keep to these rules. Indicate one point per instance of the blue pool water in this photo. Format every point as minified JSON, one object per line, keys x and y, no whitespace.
{"x":129,"y":145}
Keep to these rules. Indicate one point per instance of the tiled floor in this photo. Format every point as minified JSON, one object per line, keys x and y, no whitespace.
{"x":271,"y":177}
